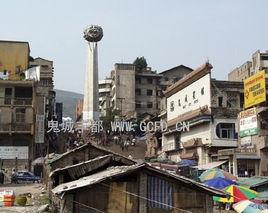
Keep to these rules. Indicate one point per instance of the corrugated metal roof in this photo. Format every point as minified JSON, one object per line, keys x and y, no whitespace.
{"x":57,"y":157}
{"x":253,"y":181}
{"x":80,"y":169}
{"x":95,"y":178}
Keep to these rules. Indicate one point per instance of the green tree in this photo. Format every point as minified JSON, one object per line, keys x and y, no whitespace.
{"x":140,"y":63}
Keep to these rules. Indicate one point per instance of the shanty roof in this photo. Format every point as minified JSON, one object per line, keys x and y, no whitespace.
{"x":87,"y":145}
{"x":117,"y":171}
{"x":96,"y":178}
{"x":254,"y":181}
{"x":80,"y":169}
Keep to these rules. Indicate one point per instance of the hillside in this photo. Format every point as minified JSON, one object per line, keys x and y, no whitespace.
{"x":69,"y":100}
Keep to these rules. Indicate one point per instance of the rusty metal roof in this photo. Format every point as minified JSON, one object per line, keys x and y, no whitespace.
{"x":96,"y":178}
{"x":80,"y":169}
{"x":84,"y":146}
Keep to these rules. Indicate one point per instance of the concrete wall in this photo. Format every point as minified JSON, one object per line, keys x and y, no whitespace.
{"x":14,"y":56}
{"x":191,"y":103}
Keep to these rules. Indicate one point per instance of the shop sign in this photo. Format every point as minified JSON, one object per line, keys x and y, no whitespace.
{"x":13,"y":152}
{"x":254,"y":89}
{"x":248,"y":123}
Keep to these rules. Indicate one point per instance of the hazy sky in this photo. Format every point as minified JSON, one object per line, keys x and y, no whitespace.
{"x":166,"y":32}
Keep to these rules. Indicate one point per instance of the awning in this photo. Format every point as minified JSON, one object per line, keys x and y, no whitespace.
{"x":250,"y":157}
{"x":191,"y":155}
{"x":209,"y":165}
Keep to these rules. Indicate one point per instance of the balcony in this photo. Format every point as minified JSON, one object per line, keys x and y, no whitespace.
{"x":15,"y":128}
{"x":16,"y":101}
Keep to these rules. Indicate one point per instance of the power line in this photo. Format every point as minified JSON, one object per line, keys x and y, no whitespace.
{"x":147,"y":199}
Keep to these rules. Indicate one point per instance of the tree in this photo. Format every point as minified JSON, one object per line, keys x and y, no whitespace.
{"x":140,"y":63}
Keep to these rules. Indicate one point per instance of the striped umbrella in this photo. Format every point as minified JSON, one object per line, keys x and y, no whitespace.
{"x":237,"y":193}
{"x":246,"y":206}
{"x":214,"y":173}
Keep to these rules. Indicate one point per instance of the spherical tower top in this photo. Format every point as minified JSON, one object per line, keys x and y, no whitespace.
{"x":93,"y":33}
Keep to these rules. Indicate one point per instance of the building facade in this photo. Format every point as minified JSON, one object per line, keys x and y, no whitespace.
{"x":26,"y":104}
{"x":259,"y":61}
{"x":209,"y":109}
{"x":105,"y":88}
{"x":135,"y":92}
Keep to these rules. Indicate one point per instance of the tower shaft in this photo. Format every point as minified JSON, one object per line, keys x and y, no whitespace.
{"x":91,"y":90}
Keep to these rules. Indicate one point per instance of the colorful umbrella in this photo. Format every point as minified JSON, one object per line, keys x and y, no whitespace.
{"x":219,"y":182}
{"x":214,"y":173}
{"x":247,"y":206}
{"x":237,"y":193}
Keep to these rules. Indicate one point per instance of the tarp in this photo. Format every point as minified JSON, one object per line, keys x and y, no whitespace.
{"x":209,"y":165}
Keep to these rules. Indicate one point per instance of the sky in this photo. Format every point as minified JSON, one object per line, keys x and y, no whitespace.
{"x":166,"y":32}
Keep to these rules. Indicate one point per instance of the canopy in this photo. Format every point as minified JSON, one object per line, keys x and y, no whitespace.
{"x":237,"y":193}
{"x":210,"y":165}
{"x":214,"y":173}
{"x":219,"y":183}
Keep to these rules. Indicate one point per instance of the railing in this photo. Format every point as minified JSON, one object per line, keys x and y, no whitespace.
{"x":16,"y":101}
{"x":15,"y":127}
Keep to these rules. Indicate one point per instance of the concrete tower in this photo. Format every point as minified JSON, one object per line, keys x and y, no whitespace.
{"x":92,"y":35}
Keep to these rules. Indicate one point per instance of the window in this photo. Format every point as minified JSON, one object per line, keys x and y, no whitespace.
{"x":138,"y":80}
{"x":138,"y":104}
{"x":229,"y":104}
{"x":149,"y":92}
{"x":185,"y":99}
{"x":149,"y":105}
{"x":193,"y":94}
{"x":172,"y":106}
{"x":138,"y":91}
{"x":149,"y":80}
{"x":202,"y":91}
{"x":179,"y":102}
{"x":220,"y":99}
{"x":166,"y":79}
{"x":8,"y":95}
{"x":241,"y":100}
{"x":20,"y":115}
{"x":226,"y":130}
{"x":158,"y":187}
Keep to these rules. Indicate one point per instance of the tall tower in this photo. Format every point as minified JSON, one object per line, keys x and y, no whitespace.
{"x":92,"y":35}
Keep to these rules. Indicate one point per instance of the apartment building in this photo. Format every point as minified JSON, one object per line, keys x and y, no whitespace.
{"x":259,"y":61}
{"x":135,"y":92}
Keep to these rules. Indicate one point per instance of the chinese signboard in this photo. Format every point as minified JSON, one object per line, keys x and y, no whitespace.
{"x":248,"y":123}
{"x":39,"y":129}
{"x":246,"y":142}
{"x":254,"y":89}
{"x":12,"y":152}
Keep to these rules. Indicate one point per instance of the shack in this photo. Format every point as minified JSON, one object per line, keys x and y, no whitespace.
{"x":128,"y":189}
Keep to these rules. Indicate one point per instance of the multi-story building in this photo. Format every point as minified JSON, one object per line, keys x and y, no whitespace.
{"x":26,"y":104}
{"x":259,"y":62}
{"x":135,"y":92}
{"x":105,"y":88}
{"x":17,"y":122}
{"x":210,"y":108}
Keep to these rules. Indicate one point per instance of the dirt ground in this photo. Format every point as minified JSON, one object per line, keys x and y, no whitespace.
{"x":37,"y":197}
